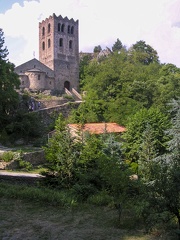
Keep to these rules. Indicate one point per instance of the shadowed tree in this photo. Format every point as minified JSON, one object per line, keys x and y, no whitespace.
{"x":161,"y":190}
{"x":117,"y":46}
{"x":97,"y":49}
{"x":9,"y":81}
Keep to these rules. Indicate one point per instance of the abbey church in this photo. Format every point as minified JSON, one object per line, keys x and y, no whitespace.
{"x":58,"y":66}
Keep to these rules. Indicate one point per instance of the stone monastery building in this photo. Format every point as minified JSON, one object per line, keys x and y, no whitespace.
{"x":58,"y":66}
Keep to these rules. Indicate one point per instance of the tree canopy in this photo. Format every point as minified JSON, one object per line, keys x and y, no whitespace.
{"x":126,"y":81}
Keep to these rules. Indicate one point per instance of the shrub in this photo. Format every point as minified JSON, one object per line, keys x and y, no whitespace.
{"x":7,"y":156}
{"x":24,"y":165}
{"x":101,"y":199}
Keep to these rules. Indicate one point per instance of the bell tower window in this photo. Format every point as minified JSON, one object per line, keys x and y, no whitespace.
{"x":70,"y":44}
{"x":61,"y":42}
{"x":49,"y":28}
{"x":59,"y":27}
{"x":43,"y":45}
{"x":43,"y":31}
{"x":49,"y":43}
{"x":62,"y":27}
{"x":69,"y":29}
{"x":72,"y":30}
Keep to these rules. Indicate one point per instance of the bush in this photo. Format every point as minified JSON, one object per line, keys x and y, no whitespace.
{"x":7,"y":156}
{"x":24,"y":165}
{"x":101,"y":199}
{"x":83,"y":191}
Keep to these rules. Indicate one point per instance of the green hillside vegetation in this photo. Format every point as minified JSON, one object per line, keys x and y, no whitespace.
{"x":139,"y":171}
{"x":124,"y":82}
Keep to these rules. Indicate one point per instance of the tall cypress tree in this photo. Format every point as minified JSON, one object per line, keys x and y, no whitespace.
{"x":9,"y":82}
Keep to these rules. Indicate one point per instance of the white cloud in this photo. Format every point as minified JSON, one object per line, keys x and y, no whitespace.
{"x":100,"y":22}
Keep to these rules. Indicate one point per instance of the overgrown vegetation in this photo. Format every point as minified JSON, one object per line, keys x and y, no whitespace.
{"x":96,"y":166}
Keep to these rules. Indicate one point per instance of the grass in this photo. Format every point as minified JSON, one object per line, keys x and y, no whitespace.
{"x":36,"y":194}
{"x":41,"y":213}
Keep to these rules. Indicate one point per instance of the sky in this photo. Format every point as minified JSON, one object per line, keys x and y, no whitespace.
{"x":101,"y":22}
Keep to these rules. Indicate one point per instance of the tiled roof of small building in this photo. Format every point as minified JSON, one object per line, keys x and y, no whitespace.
{"x":98,"y":128}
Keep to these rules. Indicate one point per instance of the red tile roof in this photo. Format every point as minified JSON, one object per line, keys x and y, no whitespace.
{"x":98,"y":128}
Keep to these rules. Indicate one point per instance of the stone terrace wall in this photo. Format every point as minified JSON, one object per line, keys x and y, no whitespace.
{"x":48,"y":115}
{"x":52,"y":103}
{"x":21,"y":179}
{"x":35,"y":158}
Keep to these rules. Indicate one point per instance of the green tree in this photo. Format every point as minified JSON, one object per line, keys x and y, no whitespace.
{"x":147,"y":152}
{"x":168,"y":85}
{"x":158,"y":123}
{"x":117,"y":46}
{"x":26,"y":126}
{"x":97,"y":49}
{"x":161,"y":189}
{"x":9,"y":82}
{"x":143,"y":53}
{"x":116,"y":174}
{"x":62,"y":152}
{"x":84,"y":61}
{"x":88,"y":175}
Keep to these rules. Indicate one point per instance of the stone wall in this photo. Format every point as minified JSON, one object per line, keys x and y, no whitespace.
{"x":35,"y":158}
{"x":48,"y":115}
{"x":52,"y":103}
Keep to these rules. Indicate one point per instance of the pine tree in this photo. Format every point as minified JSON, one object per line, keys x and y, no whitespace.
{"x":162,"y":189}
{"x":117,"y":46}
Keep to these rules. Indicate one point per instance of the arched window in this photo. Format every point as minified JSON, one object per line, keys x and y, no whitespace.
{"x":59,"y":27}
{"x":43,"y":31}
{"x":49,"y":28}
{"x":72,"y":30}
{"x":62,"y":27}
{"x":69,"y":29}
{"x":61,"y":42}
{"x":49,"y":43}
{"x":43,"y":45}
{"x":70,"y":44}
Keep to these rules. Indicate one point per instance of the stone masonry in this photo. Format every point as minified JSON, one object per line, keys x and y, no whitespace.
{"x":58,"y":65}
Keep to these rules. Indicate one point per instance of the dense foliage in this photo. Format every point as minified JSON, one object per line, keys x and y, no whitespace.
{"x":141,"y":169}
{"x":124,"y":82}
{"x":83,"y":161}
{"x":141,"y":173}
{"x":15,"y":122}
{"x":9,"y":81}
{"x":161,"y":177}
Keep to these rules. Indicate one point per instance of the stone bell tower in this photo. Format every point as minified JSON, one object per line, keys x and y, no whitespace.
{"x":59,"y":50}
